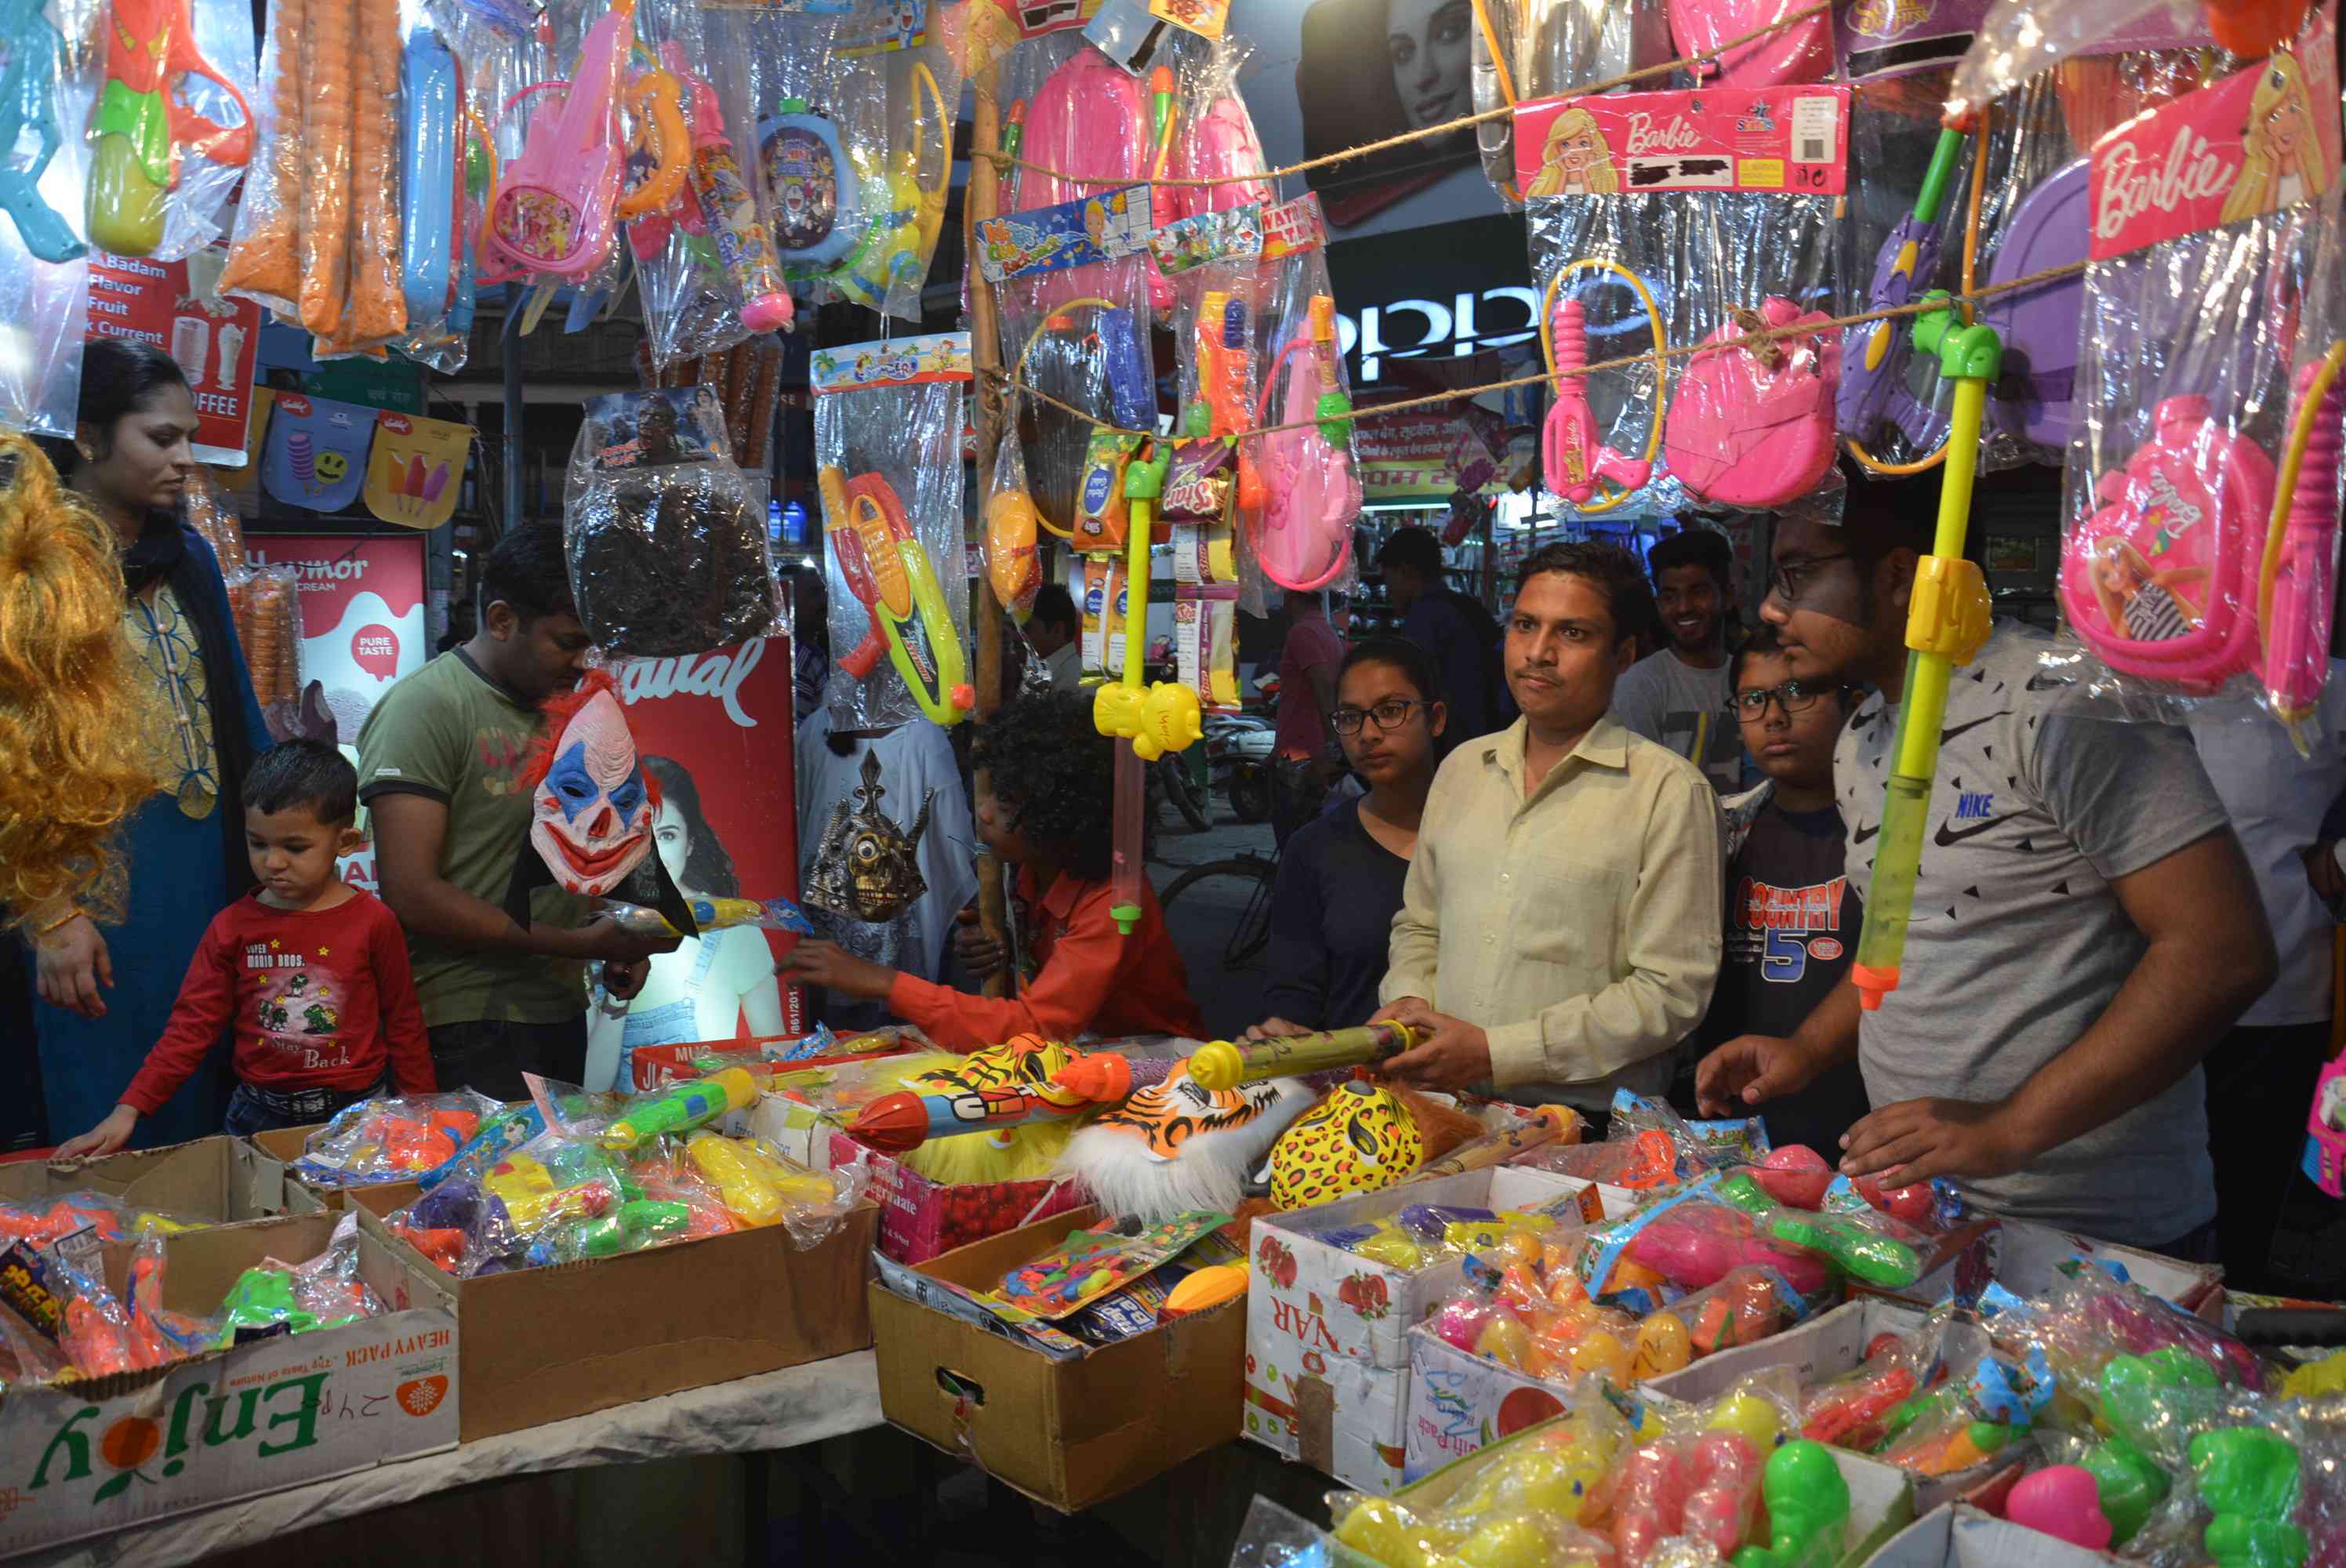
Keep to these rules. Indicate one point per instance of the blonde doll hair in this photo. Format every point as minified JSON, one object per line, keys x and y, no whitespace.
{"x":73,"y":718}
{"x":2279,"y":81}
{"x":1600,"y":180}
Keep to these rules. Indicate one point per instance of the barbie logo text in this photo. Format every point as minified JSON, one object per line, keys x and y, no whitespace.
{"x":1675,"y":136}
{"x":2191,"y":172}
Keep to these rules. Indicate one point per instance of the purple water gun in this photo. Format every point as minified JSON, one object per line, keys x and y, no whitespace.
{"x":1874,"y":355}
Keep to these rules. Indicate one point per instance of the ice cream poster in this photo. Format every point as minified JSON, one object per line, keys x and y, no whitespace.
{"x":363,"y":623}
{"x":315,"y":456}
{"x":416,"y":470}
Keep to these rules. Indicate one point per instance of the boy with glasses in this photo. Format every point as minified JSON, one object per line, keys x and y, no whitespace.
{"x":1792,"y":918}
{"x":2084,"y":926}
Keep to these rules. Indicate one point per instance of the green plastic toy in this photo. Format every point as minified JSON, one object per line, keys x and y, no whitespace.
{"x":2250,"y":1478}
{"x":262,"y":1298}
{"x":1808,"y":1509}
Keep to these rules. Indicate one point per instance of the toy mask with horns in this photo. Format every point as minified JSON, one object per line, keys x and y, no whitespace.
{"x":867,"y":868}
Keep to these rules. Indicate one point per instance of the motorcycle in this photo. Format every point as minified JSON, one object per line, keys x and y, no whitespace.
{"x":1238,"y":748}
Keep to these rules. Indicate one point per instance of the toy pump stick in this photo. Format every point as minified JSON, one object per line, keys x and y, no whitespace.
{"x":1227,"y":1063}
{"x":1945,"y":625}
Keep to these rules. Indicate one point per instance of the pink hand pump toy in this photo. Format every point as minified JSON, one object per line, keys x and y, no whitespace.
{"x":1570,"y":453}
{"x":1312,"y":494}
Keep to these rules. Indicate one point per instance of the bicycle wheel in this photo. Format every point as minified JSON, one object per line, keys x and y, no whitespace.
{"x":1182,"y":790}
{"x":1238,"y":890}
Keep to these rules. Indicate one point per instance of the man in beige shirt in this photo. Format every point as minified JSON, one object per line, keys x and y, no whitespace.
{"x":1559,"y":931}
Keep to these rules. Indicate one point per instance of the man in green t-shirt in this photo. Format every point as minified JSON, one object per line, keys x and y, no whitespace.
{"x":439,"y":760}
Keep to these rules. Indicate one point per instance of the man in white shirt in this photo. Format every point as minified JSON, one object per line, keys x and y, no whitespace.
{"x":1055,"y":634}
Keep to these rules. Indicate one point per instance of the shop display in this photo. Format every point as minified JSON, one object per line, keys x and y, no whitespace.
{"x":392,"y":1139}
{"x":152,"y":151}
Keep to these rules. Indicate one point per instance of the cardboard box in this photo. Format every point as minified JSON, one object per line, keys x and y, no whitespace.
{"x":1961,"y":1536}
{"x":220,"y":1180}
{"x":544,"y":1344}
{"x":1066,"y":1433}
{"x":302,"y":1196}
{"x":1880,"y":1503}
{"x":2025,"y":1258}
{"x":274,"y":1413}
{"x":1825,"y":1348}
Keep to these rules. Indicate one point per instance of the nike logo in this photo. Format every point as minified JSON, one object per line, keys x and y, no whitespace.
{"x":1946,"y":836}
{"x":1947,"y":735}
{"x":1864,"y":833}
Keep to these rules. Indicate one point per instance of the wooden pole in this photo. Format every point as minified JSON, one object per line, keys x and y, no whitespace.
{"x":986,"y":354}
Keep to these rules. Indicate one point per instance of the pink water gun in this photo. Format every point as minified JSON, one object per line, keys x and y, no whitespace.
{"x":2296,"y":600}
{"x":1570,"y":451}
{"x":1312,"y":493}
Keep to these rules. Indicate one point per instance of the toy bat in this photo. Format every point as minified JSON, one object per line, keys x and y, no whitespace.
{"x":1945,"y":626}
{"x":889,"y":571}
{"x":1874,"y":355}
{"x":140,"y":124}
{"x":1227,"y":1063}
{"x":28,"y":105}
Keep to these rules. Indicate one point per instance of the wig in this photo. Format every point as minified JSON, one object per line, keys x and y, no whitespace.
{"x":71,"y":767}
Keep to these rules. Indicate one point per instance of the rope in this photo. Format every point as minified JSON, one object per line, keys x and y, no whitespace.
{"x":1006,"y":160}
{"x":1748,"y":339}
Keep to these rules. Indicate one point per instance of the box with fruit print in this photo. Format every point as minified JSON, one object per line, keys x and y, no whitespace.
{"x":109,"y":1452}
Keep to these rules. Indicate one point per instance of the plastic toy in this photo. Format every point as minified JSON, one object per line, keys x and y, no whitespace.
{"x":1802,"y":52}
{"x":1853,"y":1247}
{"x":1360,"y":1138}
{"x":728,"y":209}
{"x":687,"y":1106}
{"x":1914,"y":1204}
{"x":2293,"y":599}
{"x":813,"y":182}
{"x":889,"y":571}
{"x":28,"y":109}
{"x":1092,"y":1264}
{"x":1807,"y":1508}
{"x":2035,"y":382}
{"x":896,"y":246}
{"x":2250,"y":1478}
{"x":1089,"y":119}
{"x":1225,"y":1064}
{"x":1947,"y":622}
{"x":1223,"y":374}
{"x":1695,"y":1245}
{"x":898,"y":1123}
{"x":1846,"y":1413}
{"x":1204,"y":1289}
{"x":757,"y":1188}
{"x":1175,"y":1145}
{"x":1874,"y":355}
{"x":1795,"y":1176}
{"x":1572,"y":457}
{"x":141,"y":123}
{"x":431,"y":180}
{"x":2060,"y":1501}
{"x":262,"y":1299}
{"x":1752,"y":425}
{"x":1303,"y":535}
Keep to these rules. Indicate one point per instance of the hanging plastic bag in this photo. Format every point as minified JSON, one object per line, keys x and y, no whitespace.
{"x":1548,"y":47}
{"x":1296,"y":518}
{"x":172,"y":129}
{"x":888,"y":468}
{"x":666,"y":541}
{"x":916,"y":76}
{"x":1014,"y":565}
{"x":41,"y":219}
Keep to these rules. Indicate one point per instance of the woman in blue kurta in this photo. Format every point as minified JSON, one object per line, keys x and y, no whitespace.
{"x":106,"y":995}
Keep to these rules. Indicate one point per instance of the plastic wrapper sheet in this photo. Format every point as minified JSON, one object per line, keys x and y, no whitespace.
{"x":1299,"y":536}
{"x":266,"y":604}
{"x":169,"y":139}
{"x":2183,"y":569}
{"x":393,"y":1138}
{"x":1014,"y":562}
{"x":666,"y":540}
{"x":889,"y":471}
{"x":1550,"y":46}
{"x":318,"y":229}
{"x":759,"y":63}
{"x":44,"y":282}
{"x":1620,"y":275}
{"x":917,"y":78}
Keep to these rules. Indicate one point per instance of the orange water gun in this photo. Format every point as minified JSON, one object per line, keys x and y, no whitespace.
{"x":151,"y":49}
{"x":888,"y":572}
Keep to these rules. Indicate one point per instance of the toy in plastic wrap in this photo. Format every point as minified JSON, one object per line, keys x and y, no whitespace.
{"x":728,"y":210}
{"x":865,"y":867}
{"x":1573,"y":454}
{"x":685,"y":1107}
{"x":2037,"y":327}
{"x":1802,"y":52}
{"x":1874,"y":355}
{"x":668,"y":553}
{"x":432,"y":138}
{"x":2060,"y":1501}
{"x":1547,"y":1124}
{"x":143,"y":121}
{"x":1808,"y":1509}
{"x":30,"y":88}
{"x":889,"y":571}
{"x":1092,"y":1264}
{"x":1751,"y":425}
{"x":709,"y":914}
{"x":2251,"y":1480}
{"x":392,"y":1139}
{"x":1176,"y":1144}
{"x":1521,"y":1503}
{"x":1088,"y":120}
{"x":1304,"y":538}
{"x":901,"y":1122}
{"x":1226,"y":1063}
{"x":1013,"y":568}
{"x":1795,"y":1176}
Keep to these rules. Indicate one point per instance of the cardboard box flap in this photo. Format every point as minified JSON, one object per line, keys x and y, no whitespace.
{"x":219,"y":1179}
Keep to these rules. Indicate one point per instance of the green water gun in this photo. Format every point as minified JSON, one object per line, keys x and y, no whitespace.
{"x":1945,"y":624}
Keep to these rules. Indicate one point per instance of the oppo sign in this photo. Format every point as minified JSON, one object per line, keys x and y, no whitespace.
{"x":1421,"y":328}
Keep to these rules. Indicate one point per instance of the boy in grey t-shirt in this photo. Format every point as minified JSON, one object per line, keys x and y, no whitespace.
{"x":1678,"y":697}
{"x":2084,"y":928}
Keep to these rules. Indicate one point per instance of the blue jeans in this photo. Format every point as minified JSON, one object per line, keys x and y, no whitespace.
{"x":251,"y":1110}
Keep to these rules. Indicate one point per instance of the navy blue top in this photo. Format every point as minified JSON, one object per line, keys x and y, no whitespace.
{"x":1464,"y":642}
{"x":1332,"y":914}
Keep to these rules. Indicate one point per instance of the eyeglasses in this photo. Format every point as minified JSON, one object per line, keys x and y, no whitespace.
{"x":1789,"y":580}
{"x":1390,"y":713}
{"x":1796,"y":695}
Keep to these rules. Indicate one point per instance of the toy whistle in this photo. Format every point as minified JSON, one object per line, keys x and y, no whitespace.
{"x":1945,"y":626}
{"x":28,"y":102}
{"x":150,"y":48}
{"x":743,"y":247}
{"x":431,"y":97}
{"x":1874,"y":355}
{"x":2295,"y":603}
{"x":1227,"y":1063}
{"x":889,"y":571}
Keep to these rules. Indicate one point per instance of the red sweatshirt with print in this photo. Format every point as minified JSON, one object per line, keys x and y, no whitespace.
{"x":318,"y":999}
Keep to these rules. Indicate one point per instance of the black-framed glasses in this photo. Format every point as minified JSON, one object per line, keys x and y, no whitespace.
{"x":1789,"y":580}
{"x":1390,"y":713}
{"x":1795,"y":695}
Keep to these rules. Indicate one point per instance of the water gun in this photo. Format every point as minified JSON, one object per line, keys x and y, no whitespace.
{"x":1104,"y":495}
{"x":1844,"y":1413}
{"x":534,"y":1194}
{"x":432,"y":175}
{"x":1222,"y":353}
{"x":1311,"y":493}
{"x":59,"y":1220}
{"x":1854,"y":1248}
{"x":260,"y":1299}
{"x":756,"y":1189}
{"x":1696,"y":1246}
{"x":1572,"y":454}
{"x":411,"y":1145}
{"x":898,"y":1123}
{"x":28,"y":103}
{"x":723,"y":206}
{"x":1873,"y":354}
{"x":150,"y":48}
{"x":500,"y":1134}
{"x":889,"y":570}
{"x":633,"y":1224}
{"x":1945,"y":625}
{"x":690,"y":1104}
{"x":897,"y":239}
{"x":1227,"y":1063}
{"x":710,"y":914}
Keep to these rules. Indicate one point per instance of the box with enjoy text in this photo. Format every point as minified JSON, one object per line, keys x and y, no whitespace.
{"x":108,"y":1452}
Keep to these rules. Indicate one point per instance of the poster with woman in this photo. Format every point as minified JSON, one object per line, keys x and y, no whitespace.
{"x":714,"y":731}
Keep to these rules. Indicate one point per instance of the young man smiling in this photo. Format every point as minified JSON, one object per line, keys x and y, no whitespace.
{"x":1559,"y":926}
{"x":1677,"y":695}
{"x":2083,"y":927}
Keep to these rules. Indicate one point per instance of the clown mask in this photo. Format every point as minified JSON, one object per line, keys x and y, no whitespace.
{"x":591,"y":814}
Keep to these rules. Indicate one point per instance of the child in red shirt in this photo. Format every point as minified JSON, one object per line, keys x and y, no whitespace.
{"x":310,"y":973}
{"x":1045,"y":783}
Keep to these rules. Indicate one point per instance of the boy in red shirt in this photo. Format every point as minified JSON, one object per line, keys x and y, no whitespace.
{"x":1045,"y":782}
{"x":311,"y":973}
